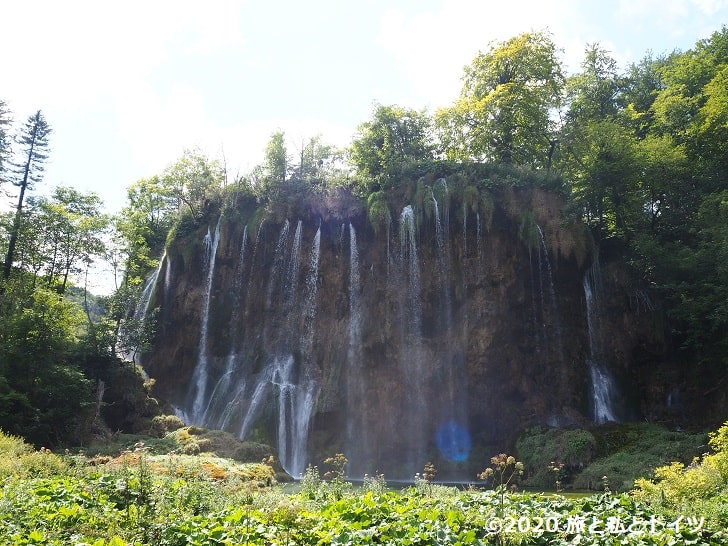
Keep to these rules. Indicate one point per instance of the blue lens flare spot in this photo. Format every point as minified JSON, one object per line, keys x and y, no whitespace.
{"x":453,"y":441}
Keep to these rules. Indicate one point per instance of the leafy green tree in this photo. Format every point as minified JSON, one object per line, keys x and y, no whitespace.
{"x":711,"y":131}
{"x":504,"y":110}
{"x":598,"y":153}
{"x":31,"y":254}
{"x":663,"y":172}
{"x":139,"y":235}
{"x":34,"y":151}
{"x":193,"y":182}
{"x":394,"y":137}
{"x":42,"y":395}
{"x":319,"y":165}
{"x":276,"y":158}
{"x":642,"y":83}
{"x":141,"y":228}
{"x":273,"y":173}
{"x":603,"y":171}
{"x":74,"y":233}
{"x":151,"y":210}
{"x":593,"y":93}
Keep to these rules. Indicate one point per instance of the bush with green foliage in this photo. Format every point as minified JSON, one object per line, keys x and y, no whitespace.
{"x":699,"y":489}
{"x":540,"y":448}
{"x":627,"y":451}
{"x":378,"y":212}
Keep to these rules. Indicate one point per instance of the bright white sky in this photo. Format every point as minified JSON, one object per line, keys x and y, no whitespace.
{"x":127,"y":86}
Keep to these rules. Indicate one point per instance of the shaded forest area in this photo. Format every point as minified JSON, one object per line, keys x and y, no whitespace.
{"x":640,"y":153}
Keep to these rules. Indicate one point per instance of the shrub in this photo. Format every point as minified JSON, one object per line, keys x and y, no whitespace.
{"x":631,"y":450}
{"x":699,"y":489}
{"x":540,"y":449}
{"x":164,"y":424}
{"x":378,"y":210}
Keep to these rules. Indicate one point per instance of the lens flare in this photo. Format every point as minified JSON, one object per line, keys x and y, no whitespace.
{"x":453,"y":441}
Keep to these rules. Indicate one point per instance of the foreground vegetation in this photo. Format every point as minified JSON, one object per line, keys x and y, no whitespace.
{"x":141,"y":498}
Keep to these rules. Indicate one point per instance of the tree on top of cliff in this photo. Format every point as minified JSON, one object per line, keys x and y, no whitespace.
{"x":505,"y":106}
{"x":194,"y":181}
{"x":394,"y":138}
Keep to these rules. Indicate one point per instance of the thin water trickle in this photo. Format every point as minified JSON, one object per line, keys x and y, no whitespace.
{"x":552,"y":310}
{"x":278,"y":263}
{"x":142,"y":307}
{"x":603,"y":385}
{"x":200,"y":374}
{"x":358,"y":446}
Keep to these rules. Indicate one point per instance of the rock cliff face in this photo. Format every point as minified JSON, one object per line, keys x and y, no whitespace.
{"x":435,"y":337}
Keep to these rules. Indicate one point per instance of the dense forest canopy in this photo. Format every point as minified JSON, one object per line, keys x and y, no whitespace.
{"x":641,"y":153}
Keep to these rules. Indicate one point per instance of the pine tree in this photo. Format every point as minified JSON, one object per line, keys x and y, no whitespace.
{"x":5,"y":121}
{"x":33,"y":141}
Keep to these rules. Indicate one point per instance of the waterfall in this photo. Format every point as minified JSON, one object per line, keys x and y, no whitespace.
{"x":465,"y":231}
{"x":142,"y":310}
{"x":253,"y":259}
{"x":296,"y":400}
{"x":452,"y":438}
{"x":256,"y":400}
{"x":289,"y":371}
{"x":145,"y":298}
{"x":414,"y":412}
{"x":167,"y":274}
{"x":239,"y":269}
{"x":551,"y":319}
{"x":359,"y":449}
{"x":278,"y":262}
{"x":602,"y":383}
{"x":227,"y":394}
{"x":309,"y":305}
{"x":297,"y":396}
{"x":200,"y":375}
{"x":478,"y":238}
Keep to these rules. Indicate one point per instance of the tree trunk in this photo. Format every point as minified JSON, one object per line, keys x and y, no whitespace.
{"x":10,"y":256}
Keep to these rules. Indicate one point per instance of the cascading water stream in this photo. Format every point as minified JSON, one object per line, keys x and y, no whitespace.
{"x":201,"y":373}
{"x":414,"y":415}
{"x":445,"y":309}
{"x":142,"y":307}
{"x":358,"y":449}
{"x":295,"y":380}
{"x":602,"y":383}
{"x":549,"y":311}
{"x":451,"y":436}
{"x":230,"y":386}
{"x":290,"y":371}
{"x":309,"y":304}
{"x":296,"y":401}
{"x":478,"y":240}
{"x":278,"y":263}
